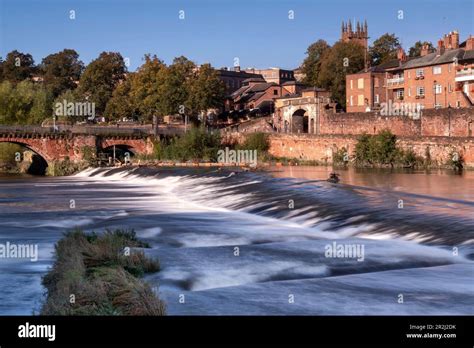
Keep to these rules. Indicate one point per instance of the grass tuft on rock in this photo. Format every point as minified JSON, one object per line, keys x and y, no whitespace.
{"x":99,"y":274}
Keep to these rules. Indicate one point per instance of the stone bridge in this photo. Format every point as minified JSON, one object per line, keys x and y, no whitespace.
{"x":57,"y":146}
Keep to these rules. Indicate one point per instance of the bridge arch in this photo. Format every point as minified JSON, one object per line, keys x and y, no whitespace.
{"x":39,"y":161}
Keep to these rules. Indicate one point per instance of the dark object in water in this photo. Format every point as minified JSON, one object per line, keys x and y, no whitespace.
{"x":333,"y":177}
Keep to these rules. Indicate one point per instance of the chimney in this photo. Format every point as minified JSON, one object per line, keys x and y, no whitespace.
{"x":440,"y":49}
{"x":447,"y":41}
{"x":470,"y":43}
{"x":455,"y":40}
{"x":401,"y":56}
{"x":425,"y":49}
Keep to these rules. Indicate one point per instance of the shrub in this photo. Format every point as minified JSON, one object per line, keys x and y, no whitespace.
{"x":256,"y":141}
{"x":196,"y":144}
{"x":340,"y":157}
{"x":455,"y":160}
{"x":380,"y":149}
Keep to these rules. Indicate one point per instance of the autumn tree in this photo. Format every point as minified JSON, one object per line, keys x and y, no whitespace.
{"x":311,"y":66}
{"x":100,"y":78}
{"x":341,"y":59}
{"x":206,"y":90}
{"x":175,"y":87}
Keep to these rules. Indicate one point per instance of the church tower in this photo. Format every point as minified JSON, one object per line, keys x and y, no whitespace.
{"x":358,"y":34}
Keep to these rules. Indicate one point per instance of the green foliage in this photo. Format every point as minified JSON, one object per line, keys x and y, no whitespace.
{"x":157,"y":89}
{"x":408,"y":158}
{"x":175,"y":86}
{"x":196,"y":144}
{"x":24,"y":103}
{"x":100,"y":78}
{"x":64,"y":167}
{"x":102,"y":276}
{"x":256,"y":141}
{"x":334,"y":68}
{"x":206,"y":90}
{"x":61,"y":71}
{"x":89,"y":155}
{"x":8,"y":153}
{"x":380,"y":149}
{"x":415,"y":50}
{"x":384,"y":49}
{"x":340,"y":157}
{"x":312,"y":64}
{"x":18,"y":66}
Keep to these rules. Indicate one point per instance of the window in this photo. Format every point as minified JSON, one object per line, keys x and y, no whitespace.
{"x":360,"y":100}
{"x":419,"y":73}
{"x":360,"y":83}
{"x":376,"y":100}
{"x":400,"y":93}
{"x":436,"y":70}
{"x":408,"y":73}
{"x":438,"y":89}
{"x":275,"y":92}
{"x":409,"y":91}
{"x":420,"y":91}
{"x":352,"y":101}
{"x":352,"y":85}
{"x":449,"y":69}
{"x":450,"y":88}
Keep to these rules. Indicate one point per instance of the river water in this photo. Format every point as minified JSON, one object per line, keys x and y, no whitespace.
{"x":257,"y":243}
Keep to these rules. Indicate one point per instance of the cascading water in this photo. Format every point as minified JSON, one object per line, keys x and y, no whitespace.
{"x":251,"y":243}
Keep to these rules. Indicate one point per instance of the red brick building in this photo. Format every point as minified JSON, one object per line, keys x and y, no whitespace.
{"x":444,"y":78}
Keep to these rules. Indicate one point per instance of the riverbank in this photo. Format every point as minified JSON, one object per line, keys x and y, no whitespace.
{"x":100,"y":274}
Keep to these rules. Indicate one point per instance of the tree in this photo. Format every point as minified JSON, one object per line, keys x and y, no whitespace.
{"x":415,"y":50}
{"x":61,"y":71}
{"x":18,"y":67}
{"x":100,"y":78}
{"x":206,"y":90}
{"x":145,"y":87}
{"x":341,"y":59}
{"x":1,"y":69}
{"x":121,"y":104}
{"x":175,"y":86}
{"x":312,"y":64}
{"x":383,"y":49}
{"x":24,"y":103}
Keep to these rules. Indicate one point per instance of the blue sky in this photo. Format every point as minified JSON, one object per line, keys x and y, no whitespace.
{"x":258,"y":32}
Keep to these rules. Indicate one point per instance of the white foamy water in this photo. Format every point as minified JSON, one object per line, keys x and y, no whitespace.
{"x":232,"y":245}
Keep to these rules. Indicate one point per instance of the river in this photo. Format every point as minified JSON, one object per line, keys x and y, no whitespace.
{"x":257,"y":242}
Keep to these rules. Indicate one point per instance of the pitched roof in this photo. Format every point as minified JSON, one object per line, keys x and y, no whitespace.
{"x":433,"y":59}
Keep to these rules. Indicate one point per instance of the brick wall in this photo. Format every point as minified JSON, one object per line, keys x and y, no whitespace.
{"x":322,"y":147}
{"x":433,"y":122}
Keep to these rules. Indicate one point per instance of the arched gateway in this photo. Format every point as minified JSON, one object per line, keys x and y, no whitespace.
{"x":300,"y":113}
